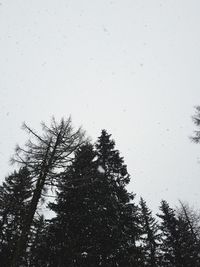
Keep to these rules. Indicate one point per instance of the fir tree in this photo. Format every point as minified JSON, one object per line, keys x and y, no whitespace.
{"x":125,"y":212}
{"x":188,"y":224}
{"x":39,"y":250}
{"x":150,"y":236}
{"x":16,"y":192}
{"x":178,"y":248}
{"x":96,"y":225}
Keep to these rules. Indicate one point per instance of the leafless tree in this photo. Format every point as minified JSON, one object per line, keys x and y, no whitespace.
{"x":192,"y":217}
{"x":45,"y":155}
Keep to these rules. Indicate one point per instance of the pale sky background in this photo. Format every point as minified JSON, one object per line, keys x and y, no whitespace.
{"x":129,"y":66}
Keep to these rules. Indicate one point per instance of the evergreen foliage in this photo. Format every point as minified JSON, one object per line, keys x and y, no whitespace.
{"x":150,"y":236}
{"x":96,"y":221}
{"x":178,"y":246}
{"x":15,"y":194}
{"x":93,"y":208}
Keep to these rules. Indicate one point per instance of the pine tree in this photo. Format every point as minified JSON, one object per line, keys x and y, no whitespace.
{"x":15,"y":196}
{"x":150,"y":236}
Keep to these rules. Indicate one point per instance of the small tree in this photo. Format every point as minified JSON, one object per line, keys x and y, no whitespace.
{"x":170,"y":247}
{"x":45,"y":156}
{"x":191,"y":228}
{"x":150,"y":236}
{"x":178,"y":247}
{"x":192,"y":217}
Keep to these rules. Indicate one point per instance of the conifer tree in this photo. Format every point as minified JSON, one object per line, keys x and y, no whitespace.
{"x":44,"y":155}
{"x":178,"y":248}
{"x":39,"y":250}
{"x":170,"y":236}
{"x":150,"y":236}
{"x":125,"y":212}
{"x":15,"y":195}
{"x":96,"y":225}
{"x":192,"y":217}
{"x":77,"y":208}
{"x":189,"y":225}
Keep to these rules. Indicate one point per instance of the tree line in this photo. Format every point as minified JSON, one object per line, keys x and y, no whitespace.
{"x":95,"y":221}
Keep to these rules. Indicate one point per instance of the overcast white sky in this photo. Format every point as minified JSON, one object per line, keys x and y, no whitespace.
{"x":129,"y":66}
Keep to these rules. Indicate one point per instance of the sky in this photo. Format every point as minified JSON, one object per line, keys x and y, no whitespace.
{"x":128,"y":66}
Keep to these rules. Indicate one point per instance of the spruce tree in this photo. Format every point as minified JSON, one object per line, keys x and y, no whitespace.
{"x":95,"y":224}
{"x":178,"y":247}
{"x":77,"y":208}
{"x":125,"y":212}
{"x":150,"y":236}
{"x":170,"y":237}
{"x":189,"y":229}
{"x":16,"y":192}
{"x":39,"y":252}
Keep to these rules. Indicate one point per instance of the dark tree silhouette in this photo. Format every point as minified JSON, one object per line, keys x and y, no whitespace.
{"x":96,"y":225}
{"x":39,"y":252}
{"x":44,"y":155}
{"x":96,"y":221}
{"x":15,"y":195}
{"x":150,"y":236}
{"x":179,"y":246}
{"x":117,"y":178}
{"x":170,"y":247}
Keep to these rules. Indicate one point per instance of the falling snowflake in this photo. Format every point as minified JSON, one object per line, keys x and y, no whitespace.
{"x":100,"y":169}
{"x":84,"y":254}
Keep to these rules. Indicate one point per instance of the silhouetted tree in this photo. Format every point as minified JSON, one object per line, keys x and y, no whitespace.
{"x":15,"y":195}
{"x":191,"y":225}
{"x":191,"y":216}
{"x":125,"y":230}
{"x":178,"y":247}
{"x":150,"y":236}
{"x":45,"y":155}
{"x":76,"y":209}
{"x":96,"y":225}
{"x":170,"y":247}
{"x":39,"y":252}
